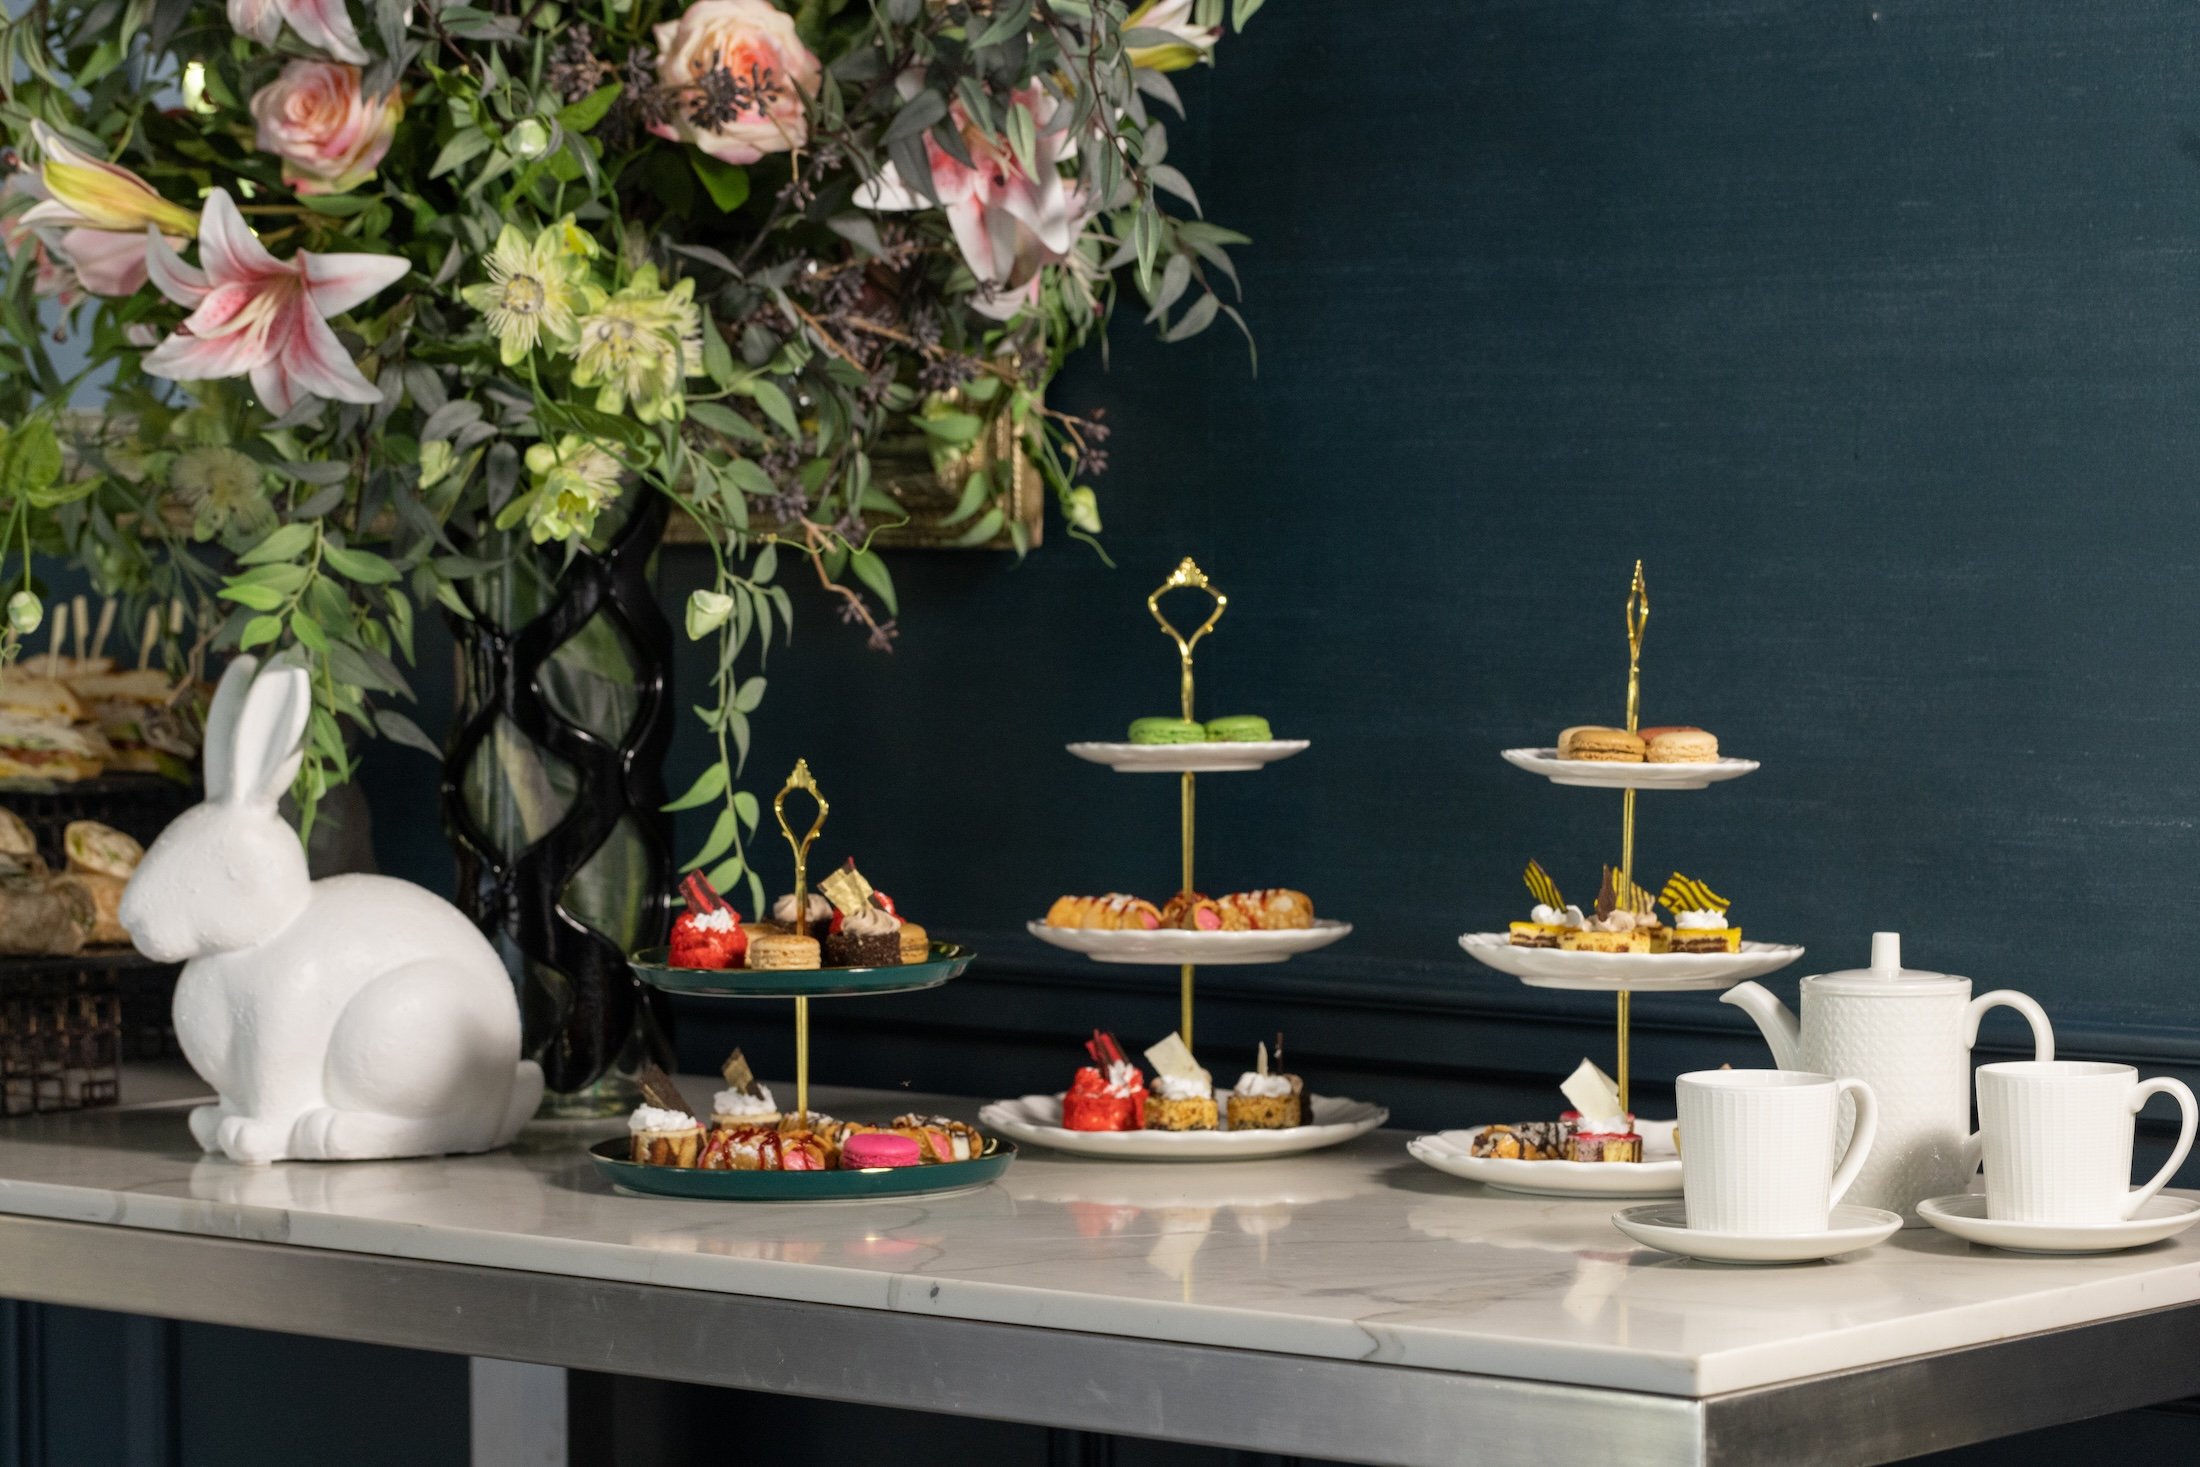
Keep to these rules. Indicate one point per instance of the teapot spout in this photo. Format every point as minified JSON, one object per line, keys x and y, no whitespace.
{"x":1774,"y":1021}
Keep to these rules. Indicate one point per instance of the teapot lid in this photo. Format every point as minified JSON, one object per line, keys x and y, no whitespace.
{"x":1886,"y":975}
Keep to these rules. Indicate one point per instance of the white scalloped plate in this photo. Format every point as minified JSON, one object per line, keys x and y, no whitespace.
{"x":1603,"y":775}
{"x":1038,"y":1119}
{"x":1173,"y":946}
{"x":1549,"y":967}
{"x":1220,"y":757}
{"x":1658,"y":1174}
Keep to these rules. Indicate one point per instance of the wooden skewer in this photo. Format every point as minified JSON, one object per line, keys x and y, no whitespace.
{"x":149,"y":637}
{"x":106,"y":625}
{"x":83,"y":607}
{"x":60,"y":635}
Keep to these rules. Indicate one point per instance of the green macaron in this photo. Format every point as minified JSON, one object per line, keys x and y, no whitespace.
{"x":1243,"y":728}
{"x":1167,"y":731}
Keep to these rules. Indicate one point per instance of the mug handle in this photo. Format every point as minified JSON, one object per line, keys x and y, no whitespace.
{"x":1867,"y":1129}
{"x":2162,"y":1085}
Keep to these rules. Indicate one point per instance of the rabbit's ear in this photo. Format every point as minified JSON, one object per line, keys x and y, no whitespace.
{"x":269,"y":735}
{"x":221,"y":725}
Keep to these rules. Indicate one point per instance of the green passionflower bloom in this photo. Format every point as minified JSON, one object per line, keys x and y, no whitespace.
{"x":531,"y":293}
{"x":574,"y":479}
{"x":639,"y":346}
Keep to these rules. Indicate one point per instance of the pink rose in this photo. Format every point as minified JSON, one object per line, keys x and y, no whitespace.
{"x":329,"y":137}
{"x":757,"y":70}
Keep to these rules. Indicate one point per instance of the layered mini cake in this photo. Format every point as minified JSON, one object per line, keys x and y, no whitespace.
{"x":869,"y":937}
{"x":1525,"y":1141}
{"x":1107,"y":1095}
{"x":1265,"y":1100}
{"x":662,"y":1137}
{"x":735,"y":1108}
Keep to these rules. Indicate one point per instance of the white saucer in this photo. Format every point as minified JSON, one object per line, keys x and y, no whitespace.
{"x":1550,"y":967}
{"x":1220,"y":757}
{"x":1612,"y":775}
{"x":1658,"y":1174}
{"x":1172,"y":946}
{"x":1965,"y":1215}
{"x":1664,"y":1226}
{"x":1038,"y":1119}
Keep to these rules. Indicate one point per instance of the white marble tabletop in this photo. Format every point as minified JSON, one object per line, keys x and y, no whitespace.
{"x":1357,"y":1253}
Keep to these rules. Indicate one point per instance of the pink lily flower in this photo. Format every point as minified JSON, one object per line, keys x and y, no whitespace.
{"x":255,"y":315}
{"x":1009,"y":223}
{"x":321,"y":23}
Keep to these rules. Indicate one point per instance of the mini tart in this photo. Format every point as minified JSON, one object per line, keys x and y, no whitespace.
{"x":1195,"y":912}
{"x":916,"y":943}
{"x":1197,"y":1113}
{"x":781,"y":952}
{"x":1538,"y":934}
{"x":1704,"y":940}
{"x":1268,"y":1112}
{"x":1679,"y":744}
{"x":669,"y":1147}
{"x":1599,"y":744}
{"x":941,"y":1139}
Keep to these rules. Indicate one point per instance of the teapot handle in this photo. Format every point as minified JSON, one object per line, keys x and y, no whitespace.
{"x":2043,"y":1033}
{"x":2043,"y":1048}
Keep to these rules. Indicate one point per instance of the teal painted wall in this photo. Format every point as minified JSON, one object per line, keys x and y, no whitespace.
{"x":1872,"y":329}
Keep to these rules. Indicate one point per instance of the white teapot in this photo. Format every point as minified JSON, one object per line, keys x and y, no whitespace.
{"x":1909,"y":1036}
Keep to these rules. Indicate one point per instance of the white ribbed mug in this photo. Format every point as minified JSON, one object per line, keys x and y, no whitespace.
{"x":1757,"y":1148}
{"x":2057,"y":1137}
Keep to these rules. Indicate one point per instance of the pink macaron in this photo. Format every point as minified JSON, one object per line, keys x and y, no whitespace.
{"x":878,"y":1148}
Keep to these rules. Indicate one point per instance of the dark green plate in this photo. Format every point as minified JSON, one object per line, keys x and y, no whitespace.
{"x":947,"y":961}
{"x":611,"y":1158}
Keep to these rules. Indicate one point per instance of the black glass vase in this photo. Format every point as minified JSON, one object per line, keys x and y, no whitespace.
{"x":553,"y":792}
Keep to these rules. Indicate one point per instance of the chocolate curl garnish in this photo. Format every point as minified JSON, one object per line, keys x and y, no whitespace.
{"x":738,"y":1074}
{"x":1104,"y":1050}
{"x":658,"y":1090}
{"x":1607,"y":896}
{"x":701,"y":895}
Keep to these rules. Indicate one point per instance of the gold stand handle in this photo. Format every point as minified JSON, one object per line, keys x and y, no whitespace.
{"x":802,"y":780}
{"x":1186,"y":577}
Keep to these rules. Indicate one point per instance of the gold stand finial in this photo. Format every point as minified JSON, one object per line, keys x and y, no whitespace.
{"x":802,"y":780}
{"x":1186,"y":577}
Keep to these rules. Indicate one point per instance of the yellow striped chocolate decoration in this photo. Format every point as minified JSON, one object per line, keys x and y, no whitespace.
{"x":1541,"y":887}
{"x":1686,"y":894}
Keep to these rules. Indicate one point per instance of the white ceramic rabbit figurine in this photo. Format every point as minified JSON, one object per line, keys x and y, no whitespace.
{"x":337,"y":1020}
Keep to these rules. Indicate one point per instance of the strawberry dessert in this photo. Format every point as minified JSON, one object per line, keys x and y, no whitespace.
{"x":708,"y":934}
{"x":1109,"y":1094}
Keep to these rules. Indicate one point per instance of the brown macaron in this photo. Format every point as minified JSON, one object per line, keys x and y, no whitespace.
{"x":781,"y":951}
{"x":1679,"y":744}
{"x":1603,"y":745}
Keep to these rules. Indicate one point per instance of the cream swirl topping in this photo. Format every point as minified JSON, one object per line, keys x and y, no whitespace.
{"x":1700,"y":921}
{"x":870,"y":922}
{"x":718,"y":919}
{"x":1254,"y":1083}
{"x":742,"y":1103}
{"x":1566,"y":916}
{"x":1183,"y":1087}
{"x":657,"y":1118}
{"x":820,"y":910}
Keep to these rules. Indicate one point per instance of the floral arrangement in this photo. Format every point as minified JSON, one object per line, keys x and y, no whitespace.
{"x":379,"y":296}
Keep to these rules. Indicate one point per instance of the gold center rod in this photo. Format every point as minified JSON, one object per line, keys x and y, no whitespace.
{"x":802,"y":1060}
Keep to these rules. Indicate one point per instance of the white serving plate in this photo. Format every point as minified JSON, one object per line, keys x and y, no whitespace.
{"x":2161,"y":1216}
{"x":1213,"y":758}
{"x":1599,"y":774}
{"x":1038,"y":1120}
{"x":1549,"y":967}
{"x":1658,"y":1174}
{"x":1173,"y":946}
{"x":1664,"y":1226}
